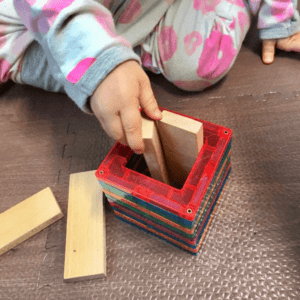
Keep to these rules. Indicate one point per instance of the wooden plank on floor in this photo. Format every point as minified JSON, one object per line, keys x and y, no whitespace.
{"x":85,"y":256}
{"x":153,"y":152}
{"x":182,"y":139}
{"x":27,"y":218}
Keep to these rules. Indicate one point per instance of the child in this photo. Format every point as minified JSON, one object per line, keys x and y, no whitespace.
{"x":93,"y":51}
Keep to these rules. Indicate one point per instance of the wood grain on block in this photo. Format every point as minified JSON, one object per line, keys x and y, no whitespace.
{"x":85,"y":256}
{"x":27,"y":218}
{"x":182,"y":140}
{"x":153,"y":152}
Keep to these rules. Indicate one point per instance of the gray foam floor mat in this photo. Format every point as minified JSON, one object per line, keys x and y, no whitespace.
{"x":252,"y":250}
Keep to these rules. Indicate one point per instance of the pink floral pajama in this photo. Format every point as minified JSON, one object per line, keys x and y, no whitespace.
{"x":72,"y":45}
{"x":196,"y":42}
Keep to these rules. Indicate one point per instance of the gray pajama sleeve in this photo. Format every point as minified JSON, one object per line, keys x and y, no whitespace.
{"x":36,"y":71}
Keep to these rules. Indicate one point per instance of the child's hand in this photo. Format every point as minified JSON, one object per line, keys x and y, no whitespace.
{"x":291,"y":43}
{"x":116,"y":103}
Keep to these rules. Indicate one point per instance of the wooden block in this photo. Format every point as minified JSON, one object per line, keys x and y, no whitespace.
{"x":85,"y":256}
{"x":153,"y":151}
{"x":27,"y":218}
{"x":182,"y":139}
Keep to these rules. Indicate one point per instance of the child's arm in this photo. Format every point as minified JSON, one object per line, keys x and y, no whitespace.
{"x":278,"y":24}
{"x":79,"y":41}
{"x":84,"y":52}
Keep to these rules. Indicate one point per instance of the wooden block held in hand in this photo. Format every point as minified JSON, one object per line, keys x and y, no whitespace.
{"x":85,"y":256}
{"x":153,"y":151}
{"x":27,"y":218}
{"x":182,"y":140}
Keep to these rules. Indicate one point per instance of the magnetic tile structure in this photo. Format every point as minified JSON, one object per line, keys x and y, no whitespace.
{"x":178,"y":215}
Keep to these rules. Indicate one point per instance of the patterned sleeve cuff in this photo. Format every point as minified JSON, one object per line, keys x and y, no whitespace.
{"x":37,"y":72}
{"x":109,"y":60}
{"x":281,"y":30}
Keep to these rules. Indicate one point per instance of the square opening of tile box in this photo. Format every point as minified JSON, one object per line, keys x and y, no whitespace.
{"x":138,"y":164}
{"x":178,"y":216}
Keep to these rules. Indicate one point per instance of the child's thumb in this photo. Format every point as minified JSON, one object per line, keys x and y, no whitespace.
{"x":148,"y":101}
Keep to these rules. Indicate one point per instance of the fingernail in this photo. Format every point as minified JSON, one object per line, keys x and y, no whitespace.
{"x":268,"y":60}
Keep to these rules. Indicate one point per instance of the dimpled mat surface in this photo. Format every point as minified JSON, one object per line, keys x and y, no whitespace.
{"x":252,"y":249}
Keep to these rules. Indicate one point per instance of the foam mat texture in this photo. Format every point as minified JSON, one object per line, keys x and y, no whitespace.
{"x":252,"y":250}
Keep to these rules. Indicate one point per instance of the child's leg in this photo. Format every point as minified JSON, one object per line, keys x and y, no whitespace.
{"x":196,"y":42}
{"x":14,"y":38}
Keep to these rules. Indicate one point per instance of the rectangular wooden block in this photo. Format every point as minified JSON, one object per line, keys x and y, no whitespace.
{"x":28,"y":218}
{"x":153,"y":151}
{"x":85,"y":256}
{"x":182,"y":139}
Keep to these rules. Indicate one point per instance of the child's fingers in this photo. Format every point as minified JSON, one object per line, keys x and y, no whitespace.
{"x":110,"y":122}
{"x":123,"y":141}
{"x":132,"y":124}
{"x":148,"y":101}
{"x":291,"y":43}
{"x":268,"y":51}
{"x":114,"y":128}
{"x":112,"y":125}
